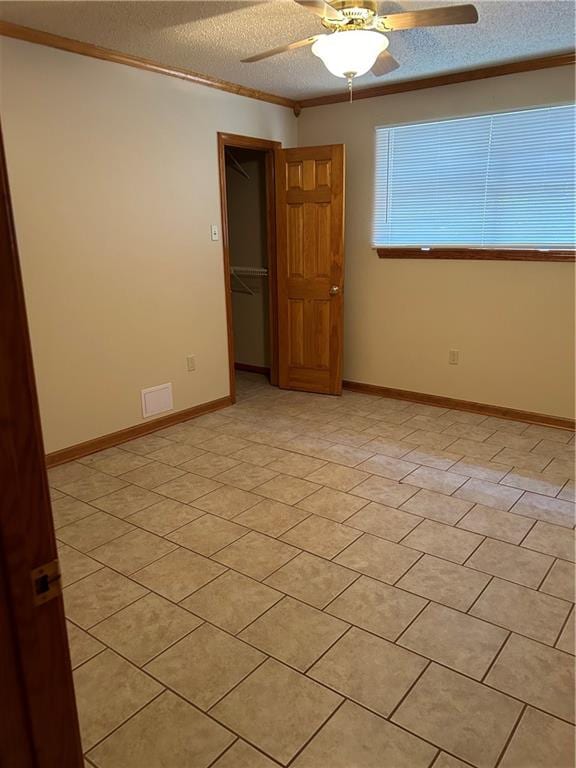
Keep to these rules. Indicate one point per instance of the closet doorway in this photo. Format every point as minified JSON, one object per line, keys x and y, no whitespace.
{"x":249,"y":243}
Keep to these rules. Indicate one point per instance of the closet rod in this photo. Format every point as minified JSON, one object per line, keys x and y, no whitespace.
{"x":250,"y":271}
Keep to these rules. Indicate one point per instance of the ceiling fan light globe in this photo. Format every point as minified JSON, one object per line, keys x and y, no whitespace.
{"x":351,"y":52}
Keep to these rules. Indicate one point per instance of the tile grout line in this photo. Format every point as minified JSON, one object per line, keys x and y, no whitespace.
{"x":412,"y":621}
{"x":141,"y":667}
{"x":128,"y":605}
{"x":528,"y":532}
{"x":436,"y":759}
{"x":147,"y":456}
{"x":476,"y":548}
{"x":396,"y":581}
{"x":87,"y":661}
{"x":339,"y":594}
{"x":140,"y":567}
{"x":149,"y":589}
{"x":224,"y":753}
{"x":358,"y":577}
{"x":479,"y":595}
{"x":241,"y":741}
{"x":395,"y":709}
{"x":546,"y":574}
{"x":116,"y":728}
{"x":426,"y":658}
{"x":347,"y":546}
{"x":510,"y":736}
{"x":266,"y":658}
{"x":564,"y":623}
{"x":219,"y":549}
{"x":407,"y":591}
{"x":496,"y":656}
{"x":263,"y":579}
{"x":327,"y":650}
{"x":275,"y":604}
{"x":360,"y":573}
{"x":451,"y":562}
{"x":317,"y":731}
{"x":454,"y":671}
{"x":291,"y":528}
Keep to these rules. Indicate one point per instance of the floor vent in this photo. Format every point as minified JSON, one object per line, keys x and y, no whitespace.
{"x":157,"y":400}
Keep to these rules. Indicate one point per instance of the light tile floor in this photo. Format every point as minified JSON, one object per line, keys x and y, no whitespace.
{"x":319,"y":582}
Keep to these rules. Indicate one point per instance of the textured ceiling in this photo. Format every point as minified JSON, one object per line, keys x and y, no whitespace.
{"x":212,"y":37}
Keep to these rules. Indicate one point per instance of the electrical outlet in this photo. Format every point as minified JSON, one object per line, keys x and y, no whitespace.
{"x":214,"y":231}
{"x":453,"y":356}
{"x":190,"y":363}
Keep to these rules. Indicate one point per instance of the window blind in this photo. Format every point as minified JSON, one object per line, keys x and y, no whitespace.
{"x":504,"y":180}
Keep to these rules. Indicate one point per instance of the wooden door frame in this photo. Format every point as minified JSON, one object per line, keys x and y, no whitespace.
{"x":269,"y":147}
{"x":39,"y":728}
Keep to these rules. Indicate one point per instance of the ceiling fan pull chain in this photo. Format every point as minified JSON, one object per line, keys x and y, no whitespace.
{"x":350,"y":77}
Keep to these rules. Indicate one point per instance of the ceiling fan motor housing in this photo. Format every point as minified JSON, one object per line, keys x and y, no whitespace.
{"x":355,"y":5}
{"x":354,"y":14}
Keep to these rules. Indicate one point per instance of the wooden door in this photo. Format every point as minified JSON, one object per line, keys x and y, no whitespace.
{"x":310,"y":256}
{"x":38,"y":725}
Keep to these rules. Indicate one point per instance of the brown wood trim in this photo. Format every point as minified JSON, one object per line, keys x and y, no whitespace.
{"x":249,"y":368}
{"x":18,"y":32}
{"x":463,"y":76}
{"x":461,"y":405}
{"x":30,"y":35}
{"x":478,"y":254}
{"x":131,"y":433}
{"x":247,"y":142}
{"x":272,"y":257}
{"x":250,"y":142}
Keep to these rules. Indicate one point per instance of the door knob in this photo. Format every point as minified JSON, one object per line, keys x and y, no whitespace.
{"x":334,"y":290}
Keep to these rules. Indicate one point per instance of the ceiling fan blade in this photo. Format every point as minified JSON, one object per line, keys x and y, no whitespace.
{"x":281,"y":49}
{"x":431,"y":17}
{"x":384,"y":64}
{"x":320,"y":8}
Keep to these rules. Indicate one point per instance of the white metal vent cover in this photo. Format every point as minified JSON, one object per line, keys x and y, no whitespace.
{"x":157,"y":400}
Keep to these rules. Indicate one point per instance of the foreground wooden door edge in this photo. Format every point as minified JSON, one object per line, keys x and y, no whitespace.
{"x":37,"y":688}
{"x":310,"y":247}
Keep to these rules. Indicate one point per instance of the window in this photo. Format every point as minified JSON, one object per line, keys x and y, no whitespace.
{"x":495,"y":182}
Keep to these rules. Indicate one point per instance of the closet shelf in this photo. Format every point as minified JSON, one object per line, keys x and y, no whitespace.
{"x":249,"y":271}
{"x":240,"y":272}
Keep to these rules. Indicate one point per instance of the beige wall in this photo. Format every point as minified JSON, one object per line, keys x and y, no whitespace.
{"x":114,"y":181}
{"x":248,"y":241}
{"x":512,"y":322}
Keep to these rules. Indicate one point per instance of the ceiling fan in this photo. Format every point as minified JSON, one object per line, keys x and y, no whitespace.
{"x":356,"y":39}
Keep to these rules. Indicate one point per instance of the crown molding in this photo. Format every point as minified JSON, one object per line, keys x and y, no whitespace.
{"x":38,"y":37}
{"x":7,"y":29}
{"x":462,"y":76}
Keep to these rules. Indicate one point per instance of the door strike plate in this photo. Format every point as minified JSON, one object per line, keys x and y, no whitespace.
{"x":46,"y":582}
